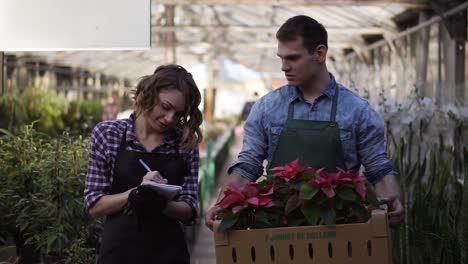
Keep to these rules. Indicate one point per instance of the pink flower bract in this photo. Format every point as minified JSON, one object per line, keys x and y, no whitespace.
{"x":289,"y":170}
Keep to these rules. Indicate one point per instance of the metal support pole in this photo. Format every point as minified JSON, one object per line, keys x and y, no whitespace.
{"x":169,"y":37}
{"x":422,"y":55}
{"x":209,"y":96}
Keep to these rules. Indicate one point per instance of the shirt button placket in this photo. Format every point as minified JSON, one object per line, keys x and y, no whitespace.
{"x":313,"y":108}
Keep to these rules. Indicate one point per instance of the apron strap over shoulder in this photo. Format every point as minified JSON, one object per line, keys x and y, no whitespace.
{"x":335,"y":104}
{"x":123,"y":141}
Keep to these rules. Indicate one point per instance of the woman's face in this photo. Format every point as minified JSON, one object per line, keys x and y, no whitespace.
{"x":167,"y":112}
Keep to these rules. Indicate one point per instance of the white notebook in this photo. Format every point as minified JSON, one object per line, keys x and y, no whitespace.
{"x":167,"y":190}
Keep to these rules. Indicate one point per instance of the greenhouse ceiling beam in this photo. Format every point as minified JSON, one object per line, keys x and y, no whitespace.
{"x":258,"y":45}
{"x":404,"y":3}
{"x":418,"y":27}
{"x":261,"y":29}
{"x":263,"y":45}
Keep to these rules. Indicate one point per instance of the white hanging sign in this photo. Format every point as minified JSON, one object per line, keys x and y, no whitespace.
{"x":33,"y":25}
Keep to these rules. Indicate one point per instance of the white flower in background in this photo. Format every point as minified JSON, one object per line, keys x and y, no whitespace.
{"x":427,"y":103}
{"x":420,"y":116}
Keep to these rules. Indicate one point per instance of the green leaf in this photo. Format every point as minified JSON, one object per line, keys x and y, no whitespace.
{"x":348,"y":185}
{"x":6,"y":132}
{"x":339,"y":204}
{"x":29,"y":241}
{"x":262,"y":223}
{"x":265,"y":219}
{"x":308,"y":192}
{"x":371,"y":197}
{"x":227,"y":222}
{"x":261,"y":214}
{"x":282,"y":191}
{"x":296,"y":222}
{"x":297,"y":186}
{"x":291,"y":204}
{"x":304,"y":176}
{"x":308,"y":175}
{"x":311,"y":213}
{"x":279,"y":203}
{"x":347,"y":194}
{"x":278,"y":180}
{"x":360,"y":211}
{"x":328,"y":216}
{"x":268,"y":181}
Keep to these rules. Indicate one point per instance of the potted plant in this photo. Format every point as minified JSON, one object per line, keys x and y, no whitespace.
{"x":296,"y":209}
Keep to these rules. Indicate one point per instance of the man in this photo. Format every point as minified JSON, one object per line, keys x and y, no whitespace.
{"x":111,"y":107}
{"x":315,"y":119}
{"x":248,"y":107}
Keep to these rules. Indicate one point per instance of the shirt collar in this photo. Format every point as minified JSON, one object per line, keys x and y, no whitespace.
{"x":329,"y":91}
{"x":130,"y":129}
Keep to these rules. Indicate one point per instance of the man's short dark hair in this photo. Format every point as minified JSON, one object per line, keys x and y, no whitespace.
{"x":312,"y":32}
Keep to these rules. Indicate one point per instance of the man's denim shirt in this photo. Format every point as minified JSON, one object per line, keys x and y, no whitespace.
{"x":361,"y":130}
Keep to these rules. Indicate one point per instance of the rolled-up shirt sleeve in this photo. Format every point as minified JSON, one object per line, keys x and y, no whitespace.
{"x":371,"y":146}
{"x":249,"y":163}
{"x":189,"y":192}
{"x":98,"y":178}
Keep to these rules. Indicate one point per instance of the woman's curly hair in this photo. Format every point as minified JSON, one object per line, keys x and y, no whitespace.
{"x":146,"y":96}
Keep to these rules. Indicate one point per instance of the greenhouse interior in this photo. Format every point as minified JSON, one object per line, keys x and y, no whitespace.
{"x":407,"y":60}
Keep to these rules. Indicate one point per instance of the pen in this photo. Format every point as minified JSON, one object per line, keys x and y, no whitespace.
{"x":144,"y":165}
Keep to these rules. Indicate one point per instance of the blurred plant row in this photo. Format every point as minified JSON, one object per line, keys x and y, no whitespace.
{"x":53,"y":113}
{"x":426,"y":143}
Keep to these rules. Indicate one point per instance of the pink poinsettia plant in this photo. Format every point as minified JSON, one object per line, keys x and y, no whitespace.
{"x":295,"y":195}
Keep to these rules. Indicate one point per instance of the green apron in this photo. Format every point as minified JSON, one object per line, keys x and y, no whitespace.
{"x":315,"y":143}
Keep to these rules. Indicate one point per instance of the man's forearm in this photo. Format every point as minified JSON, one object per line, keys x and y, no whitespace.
{"x":389,"y":189}
{"x":388,"y":186}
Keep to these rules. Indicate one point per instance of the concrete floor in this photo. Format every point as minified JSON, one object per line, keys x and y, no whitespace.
{"x":203,"y":251}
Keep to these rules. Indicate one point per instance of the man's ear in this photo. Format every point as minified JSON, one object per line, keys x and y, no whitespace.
{"x":321,"y":53}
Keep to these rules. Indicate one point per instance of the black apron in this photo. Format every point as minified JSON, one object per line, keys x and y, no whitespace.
{"x":127,"y":239}
{"x":315,"y":143}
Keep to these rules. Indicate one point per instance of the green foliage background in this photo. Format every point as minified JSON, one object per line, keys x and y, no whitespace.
{"x":42,"y":191}
{"x":53,"y":113}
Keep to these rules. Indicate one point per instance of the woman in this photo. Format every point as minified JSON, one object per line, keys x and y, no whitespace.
{"x":164,"y":132}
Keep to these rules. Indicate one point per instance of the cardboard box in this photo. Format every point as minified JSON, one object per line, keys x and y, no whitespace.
{"x":351,"y":243}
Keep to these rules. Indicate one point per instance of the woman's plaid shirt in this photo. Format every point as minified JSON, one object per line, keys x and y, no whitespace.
{"x":105,"y":141}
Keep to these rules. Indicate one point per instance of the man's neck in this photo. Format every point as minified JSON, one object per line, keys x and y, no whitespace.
{"x":315,"y":88}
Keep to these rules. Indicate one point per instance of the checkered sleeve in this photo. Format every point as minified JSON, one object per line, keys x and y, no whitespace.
{"x":98,"y":180}
{"x":189,"y":193}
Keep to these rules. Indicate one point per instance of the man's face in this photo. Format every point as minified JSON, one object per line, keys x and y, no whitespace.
{"x":299,"y":66}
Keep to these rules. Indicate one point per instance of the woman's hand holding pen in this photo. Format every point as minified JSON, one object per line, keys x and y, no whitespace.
{"x":152,"y":175}
{"x":144,"y":201}
{"x":155,"y":177}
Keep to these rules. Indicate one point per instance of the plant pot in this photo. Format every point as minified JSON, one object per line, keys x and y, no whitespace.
{"x":347,"y":243}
